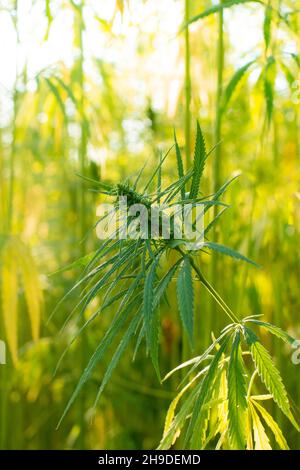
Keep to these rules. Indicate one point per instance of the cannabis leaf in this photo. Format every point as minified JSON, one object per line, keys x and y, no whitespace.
{"x":237,"y":403}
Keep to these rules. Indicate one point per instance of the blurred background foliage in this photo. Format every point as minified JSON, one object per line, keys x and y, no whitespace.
{"x":95,"y":88}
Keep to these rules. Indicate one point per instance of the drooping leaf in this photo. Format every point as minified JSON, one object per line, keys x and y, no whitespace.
{"x":117,"y":324}
{"x":185,"y":298}
{"x":150,"y":316}
{"x":117,"y":355}
{"x":237,"y":402}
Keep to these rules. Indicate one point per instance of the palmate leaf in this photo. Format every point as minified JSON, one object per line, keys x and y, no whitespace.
{"x":185,"y":298}
{"x":279,"y":437}
{"x":269,"y":374}
{"x":217,"y":8}
{"x":237,"y":402}
{"x":233,"y":83}
{"x":225,"y":250}
{"x":199,"y":163}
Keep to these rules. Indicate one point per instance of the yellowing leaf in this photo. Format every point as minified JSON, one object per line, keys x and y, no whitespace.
{"x":10,"y":299}
{"x":17,"y":260}
{"x":280,"y":439}
{"x":260,"y":437}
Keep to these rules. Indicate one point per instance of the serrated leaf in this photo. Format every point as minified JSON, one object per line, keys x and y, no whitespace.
{"x":236,"y":78}
{"x":269,"y":374}
{"x":260,"y":437}
{"x":185,"y":298}
{"x":274,"y":330}
{"x":179,"y":166}
{"x":237,"y":402}
{"x":279,"y":437}
{"x":225,"y":250}
{"x":199,"y":163}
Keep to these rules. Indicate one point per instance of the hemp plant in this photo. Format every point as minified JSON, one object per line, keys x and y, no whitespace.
{"x":130,"y":276}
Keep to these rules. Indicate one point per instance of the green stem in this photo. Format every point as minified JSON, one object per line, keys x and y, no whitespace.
{"x":217,"y":168}
{"x":218,"y":124}
{"x":251,"y":383}
{"x":187,"y":87}
{"x":83,"y":204}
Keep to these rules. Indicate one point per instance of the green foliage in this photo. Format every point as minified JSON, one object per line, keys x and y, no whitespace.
{"x":135,"y":264}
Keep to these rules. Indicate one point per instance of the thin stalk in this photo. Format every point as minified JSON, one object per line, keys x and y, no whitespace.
{"x":83,"y":204}
{"x":217,"y":168}
{"x":187,"y":88}
{"x":187,"y":123}
{"x":218,"y":123}
{"x":251,"y":383}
